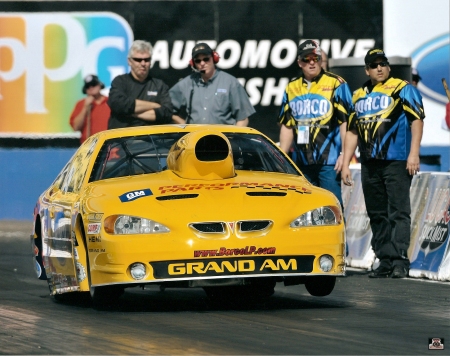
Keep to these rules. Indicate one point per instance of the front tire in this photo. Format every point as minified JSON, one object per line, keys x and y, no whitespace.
{"x":320,"y":286}
{"x":76,"y":298}
{"x":105,"y":296}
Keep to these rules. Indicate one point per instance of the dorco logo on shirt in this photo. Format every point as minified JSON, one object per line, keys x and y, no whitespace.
{"x":376,"y":103}
{"x":311,"y":106}
{"x":45,"y":56}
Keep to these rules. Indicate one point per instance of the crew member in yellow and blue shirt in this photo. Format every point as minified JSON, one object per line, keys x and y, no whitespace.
{"x":387,"y":124}
{"x":313,"y":119}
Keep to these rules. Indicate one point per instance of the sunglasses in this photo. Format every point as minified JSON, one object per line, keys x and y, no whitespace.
{"x":311,"y":58}
{"x":375,"y":65}
{"x":198,"y":60}
{"x":139,"y":60}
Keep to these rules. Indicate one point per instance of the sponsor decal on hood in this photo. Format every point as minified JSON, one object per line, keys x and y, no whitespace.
{"x":136,"y":194}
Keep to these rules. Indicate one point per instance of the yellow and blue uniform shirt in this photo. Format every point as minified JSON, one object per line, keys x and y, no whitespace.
{"x":315,"y":114}
{"x":382,"y":117}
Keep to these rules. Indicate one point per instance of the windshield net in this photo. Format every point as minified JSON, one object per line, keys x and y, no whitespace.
{"x":128,"y":156}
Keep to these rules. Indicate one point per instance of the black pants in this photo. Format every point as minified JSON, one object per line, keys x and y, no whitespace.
{"x":386,"y":186}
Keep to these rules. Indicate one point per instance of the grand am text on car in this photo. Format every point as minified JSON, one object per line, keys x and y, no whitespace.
{"x":216,"y":207}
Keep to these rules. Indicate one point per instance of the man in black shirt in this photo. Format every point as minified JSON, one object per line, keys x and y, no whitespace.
{"x":136,"y":98}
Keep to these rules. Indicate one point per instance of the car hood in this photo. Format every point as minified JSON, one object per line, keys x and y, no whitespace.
{"x":166,"y":196}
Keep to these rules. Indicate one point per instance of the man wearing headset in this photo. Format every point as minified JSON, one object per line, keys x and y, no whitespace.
{"x":209,"y":95}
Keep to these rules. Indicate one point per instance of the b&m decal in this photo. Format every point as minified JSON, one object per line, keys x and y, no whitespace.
{"x":135,"y":194}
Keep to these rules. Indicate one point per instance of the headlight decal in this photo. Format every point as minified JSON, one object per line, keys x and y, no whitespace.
{"x":323,"y":216}
{"x":131,"y":225}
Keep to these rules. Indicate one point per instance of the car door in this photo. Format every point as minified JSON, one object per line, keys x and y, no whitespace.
{"x":63,"y":214}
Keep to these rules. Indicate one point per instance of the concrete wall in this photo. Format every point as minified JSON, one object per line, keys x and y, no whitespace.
{"x":24,"y":175}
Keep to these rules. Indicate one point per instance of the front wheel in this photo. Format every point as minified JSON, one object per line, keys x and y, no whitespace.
{"x":320,"y":286}
{"x":105,"y":296}
{"x":72,"y":298}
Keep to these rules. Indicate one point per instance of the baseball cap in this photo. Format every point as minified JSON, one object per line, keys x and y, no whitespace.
{"x":415,"y":75}
{"x":308,"y":47}
{"x":373,"y":54}
{"x":91,"y":80}
{"x":201,"y":48}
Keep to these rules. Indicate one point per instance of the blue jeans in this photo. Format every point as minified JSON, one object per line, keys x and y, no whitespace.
{"x":324,"y":177}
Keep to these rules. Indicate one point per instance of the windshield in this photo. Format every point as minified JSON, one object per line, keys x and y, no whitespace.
{"x":127,"y":156}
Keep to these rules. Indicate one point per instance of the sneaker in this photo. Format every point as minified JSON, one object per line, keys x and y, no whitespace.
{"x":381,"y":272}
{"x":399,"y":272}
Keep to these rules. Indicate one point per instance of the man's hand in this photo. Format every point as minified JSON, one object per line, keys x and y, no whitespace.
{"x":178,"y":120}
{"x":78,"y":121}
{"x":346,"y":175}
{"x":148,"y":115}
{"x":339,"y":164}
{"x":351,"y":141}
{"x":242,"y":123}
{"x":143,"y":106}
{"x":413,"y":161}
{"x":286,"y":138}
{"x":413,"y":164}
{"x":88,"y":101}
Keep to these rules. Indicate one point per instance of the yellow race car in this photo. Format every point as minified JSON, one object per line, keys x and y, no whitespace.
{"x":216,"y":207}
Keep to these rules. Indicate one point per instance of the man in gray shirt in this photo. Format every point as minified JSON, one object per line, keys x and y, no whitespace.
{"x":209,"y":95}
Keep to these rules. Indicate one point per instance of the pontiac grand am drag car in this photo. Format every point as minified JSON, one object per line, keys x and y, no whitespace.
{"x":217,"y":207}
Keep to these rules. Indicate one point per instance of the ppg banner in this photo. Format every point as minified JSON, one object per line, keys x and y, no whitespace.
{"x":43,"y":58}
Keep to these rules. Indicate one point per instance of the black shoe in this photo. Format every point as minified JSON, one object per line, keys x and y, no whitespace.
{"x":399,"y":272}
{"x":381,"y":272}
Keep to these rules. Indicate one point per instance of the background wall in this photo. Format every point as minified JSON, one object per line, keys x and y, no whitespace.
{"x":47,"y":47}
{"x":25,"y":174}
